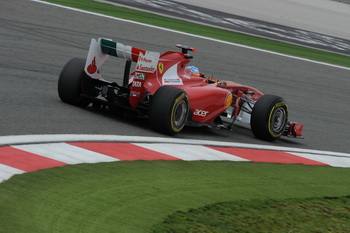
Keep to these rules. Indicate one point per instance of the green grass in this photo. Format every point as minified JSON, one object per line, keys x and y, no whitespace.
{"x":137,"y":196}
{"x":134,"y":196}
{"x":206,"y":31}
{"x":269,"y":216}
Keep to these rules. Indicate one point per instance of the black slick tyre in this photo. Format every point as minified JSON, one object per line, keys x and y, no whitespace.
{"x":70,"y":82}
{"x":269,"y":117}
{"x":169,"y":110}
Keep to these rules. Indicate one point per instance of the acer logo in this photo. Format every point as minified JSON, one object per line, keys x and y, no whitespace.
{"x":202,"y":113}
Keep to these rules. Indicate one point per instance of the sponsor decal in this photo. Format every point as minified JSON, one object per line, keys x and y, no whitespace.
{"x":171,"y":77}
{"x":172,"y":81}
{"x":136,"y":84}
{"x":147,"y":63}
{"x":92,"y":68}
{"x":160,"y":67}
{"x":135,"y":93}
{"x":201,"y":113}
{"x":140,"y":76}
{"x":94,"y":60}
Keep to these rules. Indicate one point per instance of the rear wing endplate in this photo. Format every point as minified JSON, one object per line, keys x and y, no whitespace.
{"x":146,"y":61}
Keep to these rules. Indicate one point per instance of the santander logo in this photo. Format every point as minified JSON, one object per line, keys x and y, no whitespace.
{"x":92,"y":68}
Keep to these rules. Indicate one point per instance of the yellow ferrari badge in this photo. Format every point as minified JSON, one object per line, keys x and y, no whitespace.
{"x":160,"y":67}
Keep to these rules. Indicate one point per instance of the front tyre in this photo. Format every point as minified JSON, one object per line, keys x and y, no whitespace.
{"x":70,"y":82}
{"x":169,"y":110}
{"x":269,"y":117}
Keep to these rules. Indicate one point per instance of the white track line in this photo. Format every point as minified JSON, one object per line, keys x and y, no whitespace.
{"x":189,"y":34}
{"x":190,"y":152}
{"x":66,"y":153}
{"x":49,"y":138}
{"x":56,"y":147}
{"x":6,"y":172}
{"x":330,"y":160}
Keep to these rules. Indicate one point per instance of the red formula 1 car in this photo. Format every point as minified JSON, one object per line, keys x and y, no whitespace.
{"x":165,"y":90}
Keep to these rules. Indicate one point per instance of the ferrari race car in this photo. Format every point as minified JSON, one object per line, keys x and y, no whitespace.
{"x":162,"y":88}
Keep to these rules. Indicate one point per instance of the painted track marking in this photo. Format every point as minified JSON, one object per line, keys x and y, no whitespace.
{"x":189,"y":34}
{"x":6,"y":172}
{"x":20,"y":154}
{"x":66,"y":153}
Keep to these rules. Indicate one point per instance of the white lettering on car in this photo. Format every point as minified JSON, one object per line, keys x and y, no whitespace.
{"x":202,"y":113}
{"x":136,"y":84}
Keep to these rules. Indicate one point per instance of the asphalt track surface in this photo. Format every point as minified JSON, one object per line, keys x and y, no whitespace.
{"x":278,"y":29}
{"x":36,"y":40}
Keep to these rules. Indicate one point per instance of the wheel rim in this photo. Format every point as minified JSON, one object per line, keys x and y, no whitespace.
{"x":278,"y":119}
{"x":180,"y":113}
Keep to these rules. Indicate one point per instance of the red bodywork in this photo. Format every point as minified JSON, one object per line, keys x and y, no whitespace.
{"x":208,"y":98}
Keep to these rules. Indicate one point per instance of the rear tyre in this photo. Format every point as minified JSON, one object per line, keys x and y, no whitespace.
{"x":269,"y":117}
{"x":169,"y":110}
{"x":70,"y":82}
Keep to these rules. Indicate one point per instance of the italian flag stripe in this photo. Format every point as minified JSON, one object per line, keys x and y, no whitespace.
{"x":119,"y":50}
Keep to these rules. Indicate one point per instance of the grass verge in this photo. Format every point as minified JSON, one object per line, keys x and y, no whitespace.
{"x":206,"y":31}
{"x":327,"y":214}
{"x":134,"y":196}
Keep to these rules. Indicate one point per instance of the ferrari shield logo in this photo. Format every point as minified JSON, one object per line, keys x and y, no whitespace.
{"x":160,"y":67}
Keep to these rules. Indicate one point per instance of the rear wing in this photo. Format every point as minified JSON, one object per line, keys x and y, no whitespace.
{"x":101,"y":49}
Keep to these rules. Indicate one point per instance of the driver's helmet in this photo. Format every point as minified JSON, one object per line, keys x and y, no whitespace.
{"x":194,"y":71}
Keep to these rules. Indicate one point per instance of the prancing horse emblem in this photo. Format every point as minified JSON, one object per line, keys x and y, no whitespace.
{"x":160,"y":67}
